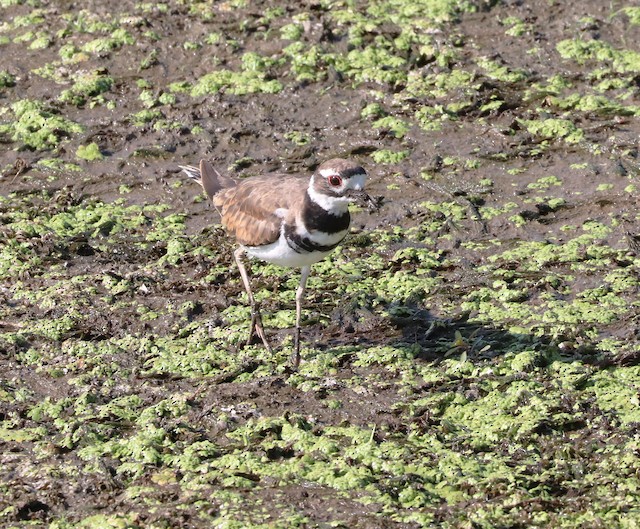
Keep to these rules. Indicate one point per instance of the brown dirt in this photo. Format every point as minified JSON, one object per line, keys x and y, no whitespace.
{"x":253,"y":127}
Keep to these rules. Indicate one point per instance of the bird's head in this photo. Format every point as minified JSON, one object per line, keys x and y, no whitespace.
{"x":337,"y":182}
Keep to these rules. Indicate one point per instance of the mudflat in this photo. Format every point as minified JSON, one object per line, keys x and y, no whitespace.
{"x":470,"y":353}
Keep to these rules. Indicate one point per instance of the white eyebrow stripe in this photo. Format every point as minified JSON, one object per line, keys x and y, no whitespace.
{"x":328,"y":172}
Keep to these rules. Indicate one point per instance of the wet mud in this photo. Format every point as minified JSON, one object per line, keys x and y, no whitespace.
{"x":471,"y":351}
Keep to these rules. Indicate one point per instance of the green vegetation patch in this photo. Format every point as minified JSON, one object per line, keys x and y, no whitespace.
{"x":89,"y":152}
{"x":239,"y":83}
{"x":633,"y":13}
{"x":104,"y":45}
{"x":554,"y":128}
{"x":86,"y":85}
{"x":253,"y":78}
{"x":470,"y":357}
{"x":7,"y":80}
{"x":38,"y":126}
{"x":554,"y":303}
{"x":597,"y":104}
{"x":598,"y":51}
{"x":95,"y":219}
{"x":396,"y":126}
{"x":500,"y":72}
{"x":389,"y":156}
{"x":372,"y":64}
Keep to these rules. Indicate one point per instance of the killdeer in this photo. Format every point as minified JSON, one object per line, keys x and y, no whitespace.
{"x":285,"y":220}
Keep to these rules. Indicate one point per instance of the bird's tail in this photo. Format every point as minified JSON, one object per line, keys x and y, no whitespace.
{"x":191,"y":171}
{"x":208,"y":177}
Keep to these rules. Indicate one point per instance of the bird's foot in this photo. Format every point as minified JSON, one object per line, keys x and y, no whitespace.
{"x":257,"y":328}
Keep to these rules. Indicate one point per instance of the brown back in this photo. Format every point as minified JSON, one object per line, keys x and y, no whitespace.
{"x":248,"y":210}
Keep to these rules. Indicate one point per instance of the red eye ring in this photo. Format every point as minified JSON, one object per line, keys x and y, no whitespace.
{"x":335,"y":180}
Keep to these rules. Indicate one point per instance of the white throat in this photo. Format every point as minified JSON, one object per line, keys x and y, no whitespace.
{"x":333,"y":205}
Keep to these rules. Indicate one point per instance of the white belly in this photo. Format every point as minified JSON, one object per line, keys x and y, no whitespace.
{"x":280,"y":253}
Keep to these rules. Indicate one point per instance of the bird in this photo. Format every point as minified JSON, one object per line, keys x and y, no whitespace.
{"x":288,"y":220}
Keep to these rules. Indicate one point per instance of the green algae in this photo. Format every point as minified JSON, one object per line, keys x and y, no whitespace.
{"x":89,"y":152}
{"x":298,"y":137}
{"x":633,"y":13}
{"x":583,"y":248}
{"x":95,"y":220}
{"x":499,"y":72}
{"x":87,"y":86}
{"x":308,"y":63}
{"x":430,"y":117}
{"x":372,"y":64}
{"x":397,"y":127}
{"x":7,"y":80}
{"x":554,"y":128}
{"x":239,"y":83}
{"x":105,"y":45}
{"x":517,"y":26}
{"x":385,"y":63}
{"x":615,"y":392}
{"x":253,"y":78}
{"x":55,"y":165}
{"x":554,"y":85}
{"x":388,"y":156}
{"x":510,"y":301}
{"x":146,"y":116}
{"x":545,"y":182}
{"x":594,"y":103}
{"x":597,"y":51}
{"x":513,"y":422}
{"x":372,"y":110}
{"x":37,"y":126}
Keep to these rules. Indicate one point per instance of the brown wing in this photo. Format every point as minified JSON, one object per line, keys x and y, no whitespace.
{"x":249,"y":209}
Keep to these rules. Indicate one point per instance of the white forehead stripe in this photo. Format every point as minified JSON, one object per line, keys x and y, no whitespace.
{"x":357,"y":181}
{"x":359,"y":177}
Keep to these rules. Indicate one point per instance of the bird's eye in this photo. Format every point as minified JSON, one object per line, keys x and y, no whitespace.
{"x":335,"y":180}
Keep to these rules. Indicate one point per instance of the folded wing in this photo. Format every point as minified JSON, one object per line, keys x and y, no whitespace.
{"x":255,"y":209}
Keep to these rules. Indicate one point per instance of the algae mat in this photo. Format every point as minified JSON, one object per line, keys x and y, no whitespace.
{"x":471,"y":353}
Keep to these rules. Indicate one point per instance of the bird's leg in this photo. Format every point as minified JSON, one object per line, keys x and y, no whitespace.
{"x":302,"y":287}
{"x":256,"y":318}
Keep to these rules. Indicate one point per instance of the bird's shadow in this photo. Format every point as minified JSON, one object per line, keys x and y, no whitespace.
{"x":434,"y":339}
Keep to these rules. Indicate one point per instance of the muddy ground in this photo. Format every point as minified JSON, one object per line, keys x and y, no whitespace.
{"x":470,"y":353}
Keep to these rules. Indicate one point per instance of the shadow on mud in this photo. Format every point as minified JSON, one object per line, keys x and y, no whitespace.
{"x":434,"y":340}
